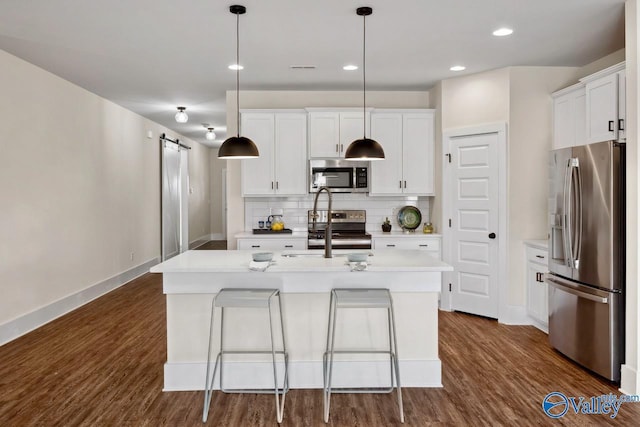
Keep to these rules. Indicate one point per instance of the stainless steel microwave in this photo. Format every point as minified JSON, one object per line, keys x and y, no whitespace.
{"x":340,"y":176}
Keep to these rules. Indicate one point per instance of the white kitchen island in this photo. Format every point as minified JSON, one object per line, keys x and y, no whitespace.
{"x":191,"y":280}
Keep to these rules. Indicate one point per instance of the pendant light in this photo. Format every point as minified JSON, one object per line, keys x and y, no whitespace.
{"x":238,"y":147}
{"x":365,"y":148}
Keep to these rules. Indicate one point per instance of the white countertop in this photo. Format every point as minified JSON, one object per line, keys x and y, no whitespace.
{"x":238,"y":262}
{"x":250,"y":235}
{"x":401,"y":234}
{"x":540,"y":244}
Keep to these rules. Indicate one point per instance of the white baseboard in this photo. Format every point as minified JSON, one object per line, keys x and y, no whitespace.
{"x":30,"y":321}
{"x":204,"y":239}
{"x":304,"y":375}
{"x":514,"y":315}
{"x":216,"y":236}
{"x":629,"y":383}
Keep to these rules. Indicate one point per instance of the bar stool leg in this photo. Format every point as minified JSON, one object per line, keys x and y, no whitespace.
{"x":279,"y":402}
{"x":208,"y":386}
{"x":396,"y":357}
{"x":330,"y":368}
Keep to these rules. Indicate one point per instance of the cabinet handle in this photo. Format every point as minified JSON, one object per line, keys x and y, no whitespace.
{"x":391,"y":246}
{"x":341,"y":148}
{"x":272,"y":185}
{"x":540,"y":256}
{"x":277,"y":185}
{"x":537,"y":277}
{"x":620,"y":124}
{"x":255,"y":246}
{"x":424,"y":246}
{"x":288,"y":246}
{"x":405,"y":184}
{"x":337,"y":148}
{"x":400,"y":183}
{"x":611,"y":122}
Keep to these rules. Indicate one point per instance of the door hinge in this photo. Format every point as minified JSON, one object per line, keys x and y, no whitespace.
{"x":449,"y":156}
{"x":449,"y":222}
{"x":449,"y":287}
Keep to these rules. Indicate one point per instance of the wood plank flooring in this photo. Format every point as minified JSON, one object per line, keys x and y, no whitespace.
{"x":102,"y":365}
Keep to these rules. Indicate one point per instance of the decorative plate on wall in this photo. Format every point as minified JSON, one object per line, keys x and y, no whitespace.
{"x":409,"y":217}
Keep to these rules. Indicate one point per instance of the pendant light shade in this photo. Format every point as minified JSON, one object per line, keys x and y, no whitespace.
{"x":364,"y":148}
{"x":238,"y":147}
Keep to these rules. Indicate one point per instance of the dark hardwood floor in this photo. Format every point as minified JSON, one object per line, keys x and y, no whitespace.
{"x":215,"y":245}
{"x":102,"y":365}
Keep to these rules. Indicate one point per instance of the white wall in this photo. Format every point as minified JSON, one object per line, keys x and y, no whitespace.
{"x":216,"y":167}
{"x":79,"y":189}
{"x":630,"y":382}
{"x":297,"y":99}
{"x":199,"y":193}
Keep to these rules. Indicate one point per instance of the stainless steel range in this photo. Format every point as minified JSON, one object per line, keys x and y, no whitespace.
{"x":348,"y":229}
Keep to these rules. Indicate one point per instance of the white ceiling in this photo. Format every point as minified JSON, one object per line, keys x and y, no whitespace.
{"x":153,"y":55}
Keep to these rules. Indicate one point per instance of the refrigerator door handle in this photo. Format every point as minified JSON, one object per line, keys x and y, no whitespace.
{"x":578,"y":224}
{"x":566,"y":216}
{"x":558,"y":284}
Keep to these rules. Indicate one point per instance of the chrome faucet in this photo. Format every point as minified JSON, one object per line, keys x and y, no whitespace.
{"x":327,"y":230}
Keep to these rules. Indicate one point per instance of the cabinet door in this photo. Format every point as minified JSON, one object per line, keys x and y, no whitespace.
{"x":622,"y":105}
{"x":291,"y":154}
{"x":417,"y":153}
{"x":386,"y":175}
{"x":537,"y":295}
{"x":257,"y":174}
{"x":324,"y":135}
{"x":602,"y":109}
{"x":579,"y":112}
{"x":563,"y":121}
{"x":352,"y":128}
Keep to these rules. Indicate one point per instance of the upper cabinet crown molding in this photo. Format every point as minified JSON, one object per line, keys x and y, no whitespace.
{"x":603,"y":73}
{"x":337,"y":109}
{"x":272,"y":110}
{"x":567,"y":90}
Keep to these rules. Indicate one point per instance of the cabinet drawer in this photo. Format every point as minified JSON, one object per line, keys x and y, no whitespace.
{"x":428,"y":244}
{"x":272,"y":244}
{"x":537,"y":256}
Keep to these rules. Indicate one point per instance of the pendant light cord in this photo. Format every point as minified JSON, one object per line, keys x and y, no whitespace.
{"x":364,"y":76}
{"x":238,"y":72}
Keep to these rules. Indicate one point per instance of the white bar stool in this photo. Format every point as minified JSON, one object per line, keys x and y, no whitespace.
{"x":247,"y":298}
{"x":360,"y":298}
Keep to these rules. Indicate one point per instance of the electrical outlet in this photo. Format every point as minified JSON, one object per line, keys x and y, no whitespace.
{"x":131,"y":256}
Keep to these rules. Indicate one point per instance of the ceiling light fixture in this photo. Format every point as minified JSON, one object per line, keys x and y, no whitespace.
{"x":181,"y":116}
{"x":350,"y":67}
{"x":236,"y":67}
{"x":238,"y":147}
{"x":365,"y":148}
{"x":210,"y":135}
{"x":501,"y":32}
{"x":458,"y":68}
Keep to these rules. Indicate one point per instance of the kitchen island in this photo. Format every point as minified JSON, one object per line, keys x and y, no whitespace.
{"x":305,"y":278}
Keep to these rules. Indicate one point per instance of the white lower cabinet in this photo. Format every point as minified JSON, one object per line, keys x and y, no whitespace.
{"x":273,"y":244}
{"x":537,"y":289}
{"x":431,"y":245}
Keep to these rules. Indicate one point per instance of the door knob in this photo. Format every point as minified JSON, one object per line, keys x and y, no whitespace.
{"x":492,"y":235}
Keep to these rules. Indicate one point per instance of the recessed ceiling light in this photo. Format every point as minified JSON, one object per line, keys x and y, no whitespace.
{"x":235,"y":67}
{"x":501,"y":32}
{"x":458,"y":68}
{"x":350,"y":67}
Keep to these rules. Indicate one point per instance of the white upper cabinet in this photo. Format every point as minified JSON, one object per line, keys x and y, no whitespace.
{"x":407,"y":138}
{"x":606,"y":104}
{"x":331,"y":132}
{"x":569,"y":117}
{"x":282,"y":140}
{"x":591,"y":111}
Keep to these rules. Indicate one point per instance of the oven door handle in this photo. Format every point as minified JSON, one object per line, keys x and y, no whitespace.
{"x":340,"y":242}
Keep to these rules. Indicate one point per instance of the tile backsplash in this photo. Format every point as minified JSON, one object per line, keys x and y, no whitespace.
{"x":294,"y":209}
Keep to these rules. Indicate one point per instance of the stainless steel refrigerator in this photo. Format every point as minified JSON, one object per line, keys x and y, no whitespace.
{"x":587,"y":255}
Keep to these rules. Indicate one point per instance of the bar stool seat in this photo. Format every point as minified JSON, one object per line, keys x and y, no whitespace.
{"x":247,"y":298}
{"x":360,"y":298}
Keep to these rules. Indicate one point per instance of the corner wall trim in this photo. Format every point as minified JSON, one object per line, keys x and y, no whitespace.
{"x":37,"y":318}
{"x":629,"y":382}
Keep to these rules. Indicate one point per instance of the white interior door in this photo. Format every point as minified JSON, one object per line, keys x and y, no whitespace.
{"x":474,"y":231}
